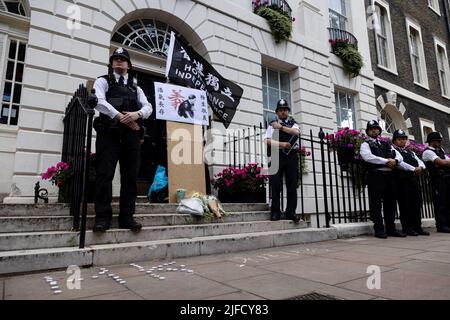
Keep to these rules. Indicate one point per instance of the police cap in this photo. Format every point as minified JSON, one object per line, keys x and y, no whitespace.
{"x":282,"y":104}
{"x":434,"y":136}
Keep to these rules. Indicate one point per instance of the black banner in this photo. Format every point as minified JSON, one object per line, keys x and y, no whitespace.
{"x":187,"y":68}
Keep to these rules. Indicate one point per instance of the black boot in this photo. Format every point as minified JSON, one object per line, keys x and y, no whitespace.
{"x":396,"y":234}
{"x":101,"y":225}
{"x":294,"y":217}
{"x":420,"y":232}
{"x":411,"y":233}
{"x":275,"y":216}
{"x":443,"y":229}
{"x":129,"y":223}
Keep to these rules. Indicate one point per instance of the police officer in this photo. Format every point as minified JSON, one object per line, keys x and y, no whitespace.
{"x":409,"y":196}
{"x":287,"y":131}
{"x":438,"y":165}
{"x":122,"y":106}
{"x":381,"y":159}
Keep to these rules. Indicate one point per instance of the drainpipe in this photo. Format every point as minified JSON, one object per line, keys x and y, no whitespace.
{"x":447,"y":15}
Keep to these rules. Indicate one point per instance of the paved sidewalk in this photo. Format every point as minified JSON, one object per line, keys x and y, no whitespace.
{"x":411,"y":268}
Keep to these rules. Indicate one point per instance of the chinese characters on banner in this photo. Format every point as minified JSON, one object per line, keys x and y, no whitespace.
{"x":187,"y":68}
{"x":180,"y":104}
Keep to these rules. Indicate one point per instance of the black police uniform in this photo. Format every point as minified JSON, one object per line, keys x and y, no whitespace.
{"x":381,"y":187}
{"x":288,"y":166}
{"x":440,"y":184}
{"x":116,"y":142}
{"x":409,"y":194}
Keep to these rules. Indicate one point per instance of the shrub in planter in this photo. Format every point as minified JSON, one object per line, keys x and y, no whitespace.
{"x":350,"y":56}
{"x":280,"y":22}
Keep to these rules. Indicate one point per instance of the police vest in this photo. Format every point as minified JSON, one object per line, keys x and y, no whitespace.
{"x":408,"y":157}
{"x":431,"y":166}
{"x":122,"y":98}
{"x":283,"y":136}
{"x":382,"y":150}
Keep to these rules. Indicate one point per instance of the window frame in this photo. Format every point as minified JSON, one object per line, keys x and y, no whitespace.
{"x":338,"y":107}
{"x":438,"y":43}
{"x":425,"y":123}
{"x":266,"y":109}
{"x":340,"y":15}
{"x":435,"y":6}
{"x":390,"y":47}
{"x":12,"y":105}
{"x":421,"y":55}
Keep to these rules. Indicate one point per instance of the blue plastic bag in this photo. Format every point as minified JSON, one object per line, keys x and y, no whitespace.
{"x":160,"y":183}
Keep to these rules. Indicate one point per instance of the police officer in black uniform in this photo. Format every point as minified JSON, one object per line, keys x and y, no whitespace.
{"x":438,"y":165}
{"x":381,"y":159}
{"x":409,"y":196}
{"x":287,"y":131}
{"x":122,"y":106}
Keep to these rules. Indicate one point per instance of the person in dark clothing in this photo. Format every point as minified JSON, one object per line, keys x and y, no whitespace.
{"x":283,"y":134}
{"x":381,"y":159}
{"x":409,"y":196}
{"x":122,"y":106}
{"x":438,"y":165}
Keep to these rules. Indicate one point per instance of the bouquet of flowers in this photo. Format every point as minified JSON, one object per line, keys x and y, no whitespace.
{"x":58,"y":174}
{"x":233,"y":180}
{"x":347,"y":139}
{"x":302,"y":166}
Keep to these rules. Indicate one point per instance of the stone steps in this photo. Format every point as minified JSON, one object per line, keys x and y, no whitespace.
{"x":54,"y":239}
{"x":29,"y":210}
{"x":65,"y":223}
{"x":109,"y":254}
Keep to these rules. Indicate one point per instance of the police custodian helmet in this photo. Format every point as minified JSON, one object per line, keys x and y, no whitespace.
{"x":399,"y":134}
{"x":282,"y":104}
{"x":434,"y":136}
{"x":122,"y":53}
{"x":373,"y":124}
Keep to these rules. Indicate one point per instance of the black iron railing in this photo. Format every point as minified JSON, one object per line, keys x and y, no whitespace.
{"x":76,"y":152}
{"x":278,"y":4}
{"x":338,"y":35}
{"x":334,"y":190}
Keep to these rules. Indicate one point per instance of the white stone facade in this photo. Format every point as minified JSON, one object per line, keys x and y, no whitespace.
{"x":236,"y":42}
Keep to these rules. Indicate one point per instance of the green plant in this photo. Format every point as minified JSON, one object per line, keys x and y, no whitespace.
{"x":280,"y":23}
{"x":350,"y":56}
{"x":302,"y":166}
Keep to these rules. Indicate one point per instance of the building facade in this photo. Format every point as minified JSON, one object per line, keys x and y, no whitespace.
{"x":48,"y":48}
{"x":409,"y":45}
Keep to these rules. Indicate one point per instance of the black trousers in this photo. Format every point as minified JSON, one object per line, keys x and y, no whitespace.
{"x":409,"y":199}
{"x":121,"y":145}
{"x":288,"y":166}
{"x":382,"y":196}
{"x":441,"y":200}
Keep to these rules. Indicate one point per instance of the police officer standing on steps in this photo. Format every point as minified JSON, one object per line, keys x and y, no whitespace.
{"x":438,"y":165}
{"x":122,"y":106}
{"x":381,"y":159}
{"x":409,"y":195}
{"x":288,"y":132}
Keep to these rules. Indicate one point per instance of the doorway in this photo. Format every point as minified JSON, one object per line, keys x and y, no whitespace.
{"x":154,"y":148}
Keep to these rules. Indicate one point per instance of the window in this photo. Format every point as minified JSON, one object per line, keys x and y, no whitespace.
{"x":417,"y":54}
{"x":276,"y":86}
{"x":345,"y":109}
{"x":383,"y":37}
{"x":426,"y":127}
{"x":434,"y":5}
{"x":443,"y":67}
{"x":149,"y":35}
{"x":13,"y":6}
{"x":12,"y":90}
{"x":338,"y":14}
{"x":386,"y":122}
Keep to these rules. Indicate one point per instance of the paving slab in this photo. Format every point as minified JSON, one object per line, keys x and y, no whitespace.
{"x":177,"y":286}
{"x":344,"y":294}
{"x":432,"y":256}
{"x":276,"y":286}
{"x":226,"y":271}
{"x":122,"y":295}
{"x":236,"y":296}
{"x":439,"y":268}
{"x":328,"y":271}
{"x":403,"y":284}
{"x":380,"y":249}
{"x":35,"y":287}
{"x":363,"y":257}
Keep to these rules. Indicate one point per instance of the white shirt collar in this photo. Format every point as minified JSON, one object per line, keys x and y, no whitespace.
{"x":117,"y":76}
